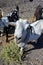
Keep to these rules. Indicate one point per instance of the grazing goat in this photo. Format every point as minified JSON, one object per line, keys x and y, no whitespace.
{"x":26,"y":32}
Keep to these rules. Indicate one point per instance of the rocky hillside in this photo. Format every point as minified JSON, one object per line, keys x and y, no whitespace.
{"x":27,"y":8}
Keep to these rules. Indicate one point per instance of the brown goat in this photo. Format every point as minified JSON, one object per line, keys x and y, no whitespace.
{"x":38,"y":12}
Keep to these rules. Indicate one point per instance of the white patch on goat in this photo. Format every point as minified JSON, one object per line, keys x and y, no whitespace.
{"x":26,"y":36}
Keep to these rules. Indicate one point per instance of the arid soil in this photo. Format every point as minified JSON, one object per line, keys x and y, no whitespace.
{"x":26,"y":7}
{"x":33,"y":54}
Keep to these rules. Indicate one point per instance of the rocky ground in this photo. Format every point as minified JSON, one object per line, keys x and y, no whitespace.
{"x":33,"y":54}
{"x":26,"y":7}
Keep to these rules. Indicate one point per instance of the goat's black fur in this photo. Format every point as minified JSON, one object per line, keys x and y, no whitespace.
{"x":13,"y":18}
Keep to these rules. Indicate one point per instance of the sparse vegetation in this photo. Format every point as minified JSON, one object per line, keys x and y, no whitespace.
{"x":11,"y":54}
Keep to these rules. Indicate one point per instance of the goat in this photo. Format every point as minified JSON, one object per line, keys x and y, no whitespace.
{"x":4,"y":22}
{"x":26,"y":32}
{"x":13,"y":18}
{"x":38,"y":12}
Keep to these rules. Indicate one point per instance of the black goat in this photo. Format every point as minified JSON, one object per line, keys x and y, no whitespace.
{"x":13,"y":18}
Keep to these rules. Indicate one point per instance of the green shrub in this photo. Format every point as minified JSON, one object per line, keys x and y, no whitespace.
{"x":10,"y":53}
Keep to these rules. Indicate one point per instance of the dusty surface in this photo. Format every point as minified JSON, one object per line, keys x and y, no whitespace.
{"x":33,"y":54}
{"x":27,"y":8}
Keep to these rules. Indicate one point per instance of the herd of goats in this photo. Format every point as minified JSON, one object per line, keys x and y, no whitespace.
{"x":24,"y":32}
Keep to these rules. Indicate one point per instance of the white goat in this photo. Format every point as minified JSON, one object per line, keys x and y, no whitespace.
{"x":26,"y":32}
